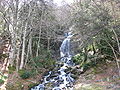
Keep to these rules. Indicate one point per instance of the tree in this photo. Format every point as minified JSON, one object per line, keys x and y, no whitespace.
{"x":25,"y":21}
{"x":95,"y":24}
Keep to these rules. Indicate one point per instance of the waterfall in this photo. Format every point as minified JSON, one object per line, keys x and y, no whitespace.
{"x":59,"y":79}
{"x":65,"y":46}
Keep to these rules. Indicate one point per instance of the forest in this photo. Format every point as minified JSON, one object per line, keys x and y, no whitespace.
{"x":32,"y":33}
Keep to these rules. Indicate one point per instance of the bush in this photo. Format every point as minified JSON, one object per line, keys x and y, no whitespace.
{"x":2,"y":78}
{"x":89,"y":65}
{"x":78,"y":59}
{"x":40,"y":62}
{"x":1,"y":81}
{"x":11,"y":69}
{"x":24,"y":74}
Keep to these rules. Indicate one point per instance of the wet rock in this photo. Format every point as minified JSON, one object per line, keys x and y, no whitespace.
{"x":74,"y":71}
{"x":45,"y":74}
{"x":74,"y":76}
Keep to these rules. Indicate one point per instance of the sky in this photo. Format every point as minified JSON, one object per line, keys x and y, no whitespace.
{"x":59,"y":1}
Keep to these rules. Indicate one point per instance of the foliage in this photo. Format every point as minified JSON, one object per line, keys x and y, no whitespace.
{"x":42,"y":61}
{"x":95,"y":29}
{"x":11,"y":69}
{"x":94,"y":22}
{"x":79,"y":58}
{"x":98,"y":52}
{"x":24,"y":74}
{"x":1,"y":81}
{"x":2,"y":78}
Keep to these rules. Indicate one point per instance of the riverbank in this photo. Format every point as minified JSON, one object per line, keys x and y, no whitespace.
{"x":102,"y":77}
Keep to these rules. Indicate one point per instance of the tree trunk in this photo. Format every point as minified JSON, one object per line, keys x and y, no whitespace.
{"x":24,"y":39}
{"x":28,"y":49}
{"x":116,"y":36}
{"x":23,"y":47}
{"x":48,"y":45}
{"x":17,"y":59}
{"x":38,"y":44}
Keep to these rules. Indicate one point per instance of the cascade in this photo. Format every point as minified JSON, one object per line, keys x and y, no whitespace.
{"x":59,"y":79}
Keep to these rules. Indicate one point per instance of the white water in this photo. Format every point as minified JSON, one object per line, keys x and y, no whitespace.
{"x":59,"y":79}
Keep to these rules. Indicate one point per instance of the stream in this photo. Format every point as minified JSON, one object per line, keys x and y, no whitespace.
{"x":59,"y":78}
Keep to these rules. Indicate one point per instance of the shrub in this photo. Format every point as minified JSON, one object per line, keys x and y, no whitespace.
{"x":11,"y":69}
{"x":2,"y":78}
{"x":41,"y":62}
{"x":78,"y":58}
{"x":24,"y":74}
{"x":1,"y":81}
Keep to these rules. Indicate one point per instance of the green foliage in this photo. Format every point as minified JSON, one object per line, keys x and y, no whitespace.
{"x":43,"y":61}
{"x":96,"y":27}
{"x":78,"y":58}
{"x":5,"y":77}
{"x":89,"y":65}
{"x":11,"y":69}
{"x":24,"y":74}
{"x":105,"y":48}
{"x":46,"y":63}
{"x":2,"y":78}
{"x":1,"y":81}
{"x":101,"y":53}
